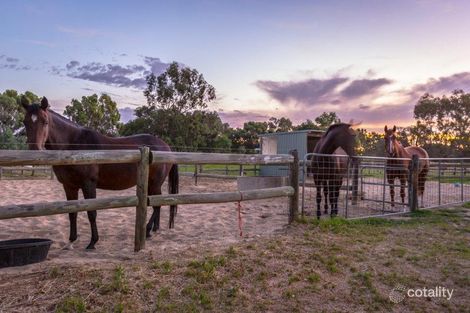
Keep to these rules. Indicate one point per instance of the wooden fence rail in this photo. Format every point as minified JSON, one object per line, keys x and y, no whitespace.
{"x":144,"y":158}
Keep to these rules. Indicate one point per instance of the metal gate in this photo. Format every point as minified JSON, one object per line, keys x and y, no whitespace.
{"x":366,"y":190}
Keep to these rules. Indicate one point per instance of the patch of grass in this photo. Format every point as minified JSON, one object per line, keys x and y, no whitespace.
{"x":165,"y":267}
{"x":313,"y":278}
{"x":231,"y":252}
{"x":293,"y":279}
{"x":462,"y":248}
{"x":71,"y":304}
{"x":118,"y":308}
{"x":54,"y":272}
{"x":398,"y":252}
{"x":363,"y":289}
{"x":204,"y":270}
{"x":147,"y":284}
{"x":118,"y":283}
{"x":162,"y":305}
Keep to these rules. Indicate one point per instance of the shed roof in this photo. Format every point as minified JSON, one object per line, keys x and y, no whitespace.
{"x":308,"y":131}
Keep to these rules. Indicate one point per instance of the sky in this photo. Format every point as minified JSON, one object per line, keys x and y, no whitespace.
{"x":369,"y":61}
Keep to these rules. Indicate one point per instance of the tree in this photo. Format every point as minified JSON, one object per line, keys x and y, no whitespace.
{"x":325,"y":120}
{"x":276,"y":125}
{"x":446,"y":119}
{"x":100,"y":113}
{"x":176,"y":111}
{"x":11,"y":118}
{"x":179,"y":89}
{"x":308,"y":124}
{"x":246,"y":139}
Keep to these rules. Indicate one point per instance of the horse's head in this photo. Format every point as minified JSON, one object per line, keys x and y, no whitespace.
{"x":338,"y":135}
{"x":390,"y":141}
{"x":36,"y":121}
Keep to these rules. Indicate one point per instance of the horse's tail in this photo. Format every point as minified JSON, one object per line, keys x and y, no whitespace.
{"x":173,"y":188}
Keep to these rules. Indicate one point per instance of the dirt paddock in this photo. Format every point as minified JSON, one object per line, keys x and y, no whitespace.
{"x":206,"y":224}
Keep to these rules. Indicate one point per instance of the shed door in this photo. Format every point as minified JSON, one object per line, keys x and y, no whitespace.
{"x":269,"y":145}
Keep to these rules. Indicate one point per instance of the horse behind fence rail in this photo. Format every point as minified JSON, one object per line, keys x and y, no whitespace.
{"x":398,"y":164}
{"x":46,"y":129}
{"x":328,"y":170}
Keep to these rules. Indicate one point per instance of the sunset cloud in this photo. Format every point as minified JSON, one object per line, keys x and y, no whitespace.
{"x":113,"y":74}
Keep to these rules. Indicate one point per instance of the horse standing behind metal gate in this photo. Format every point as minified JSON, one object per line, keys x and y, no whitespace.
{"x":398,"y":164}
{"x":46,"y":129}
{"x":329,"y":170}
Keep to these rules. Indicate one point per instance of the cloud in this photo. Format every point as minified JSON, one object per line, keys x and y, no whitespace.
{"x":236,"y":118}
{"x":79,"y":32}
{"x":12,"y":60}
{"x":362,"y":87}
{"x":72,"y":64}
{"x":127,"y":114}
{"x":113,"y":74}
{"x":357,"y":98}
{"x":12,"y":63}
{"x":40,"y":43}
{"x":306,"y":92}
{"x":442,"y":84}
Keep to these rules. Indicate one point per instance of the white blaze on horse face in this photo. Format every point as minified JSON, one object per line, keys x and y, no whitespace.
{"x":34,"y":118}
{"x":390,"y":145}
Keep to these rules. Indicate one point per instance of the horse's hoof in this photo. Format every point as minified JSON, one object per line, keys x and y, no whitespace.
{"x":91,"y":247}
{"x":148,"y":235}
{"x":68,"y":246}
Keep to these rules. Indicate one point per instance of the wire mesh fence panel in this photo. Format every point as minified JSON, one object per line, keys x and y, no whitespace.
{"x":383,"y":185}
{"x":325,"y":184}
{"x":447,"y":182}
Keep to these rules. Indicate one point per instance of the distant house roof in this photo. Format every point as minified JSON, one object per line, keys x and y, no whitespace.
{"x":309,"y":131}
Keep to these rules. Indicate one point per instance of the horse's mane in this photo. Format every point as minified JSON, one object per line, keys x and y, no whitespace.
{"x":71,"y":123}
{"x":333,"y":127}
{"x":35,"y":107}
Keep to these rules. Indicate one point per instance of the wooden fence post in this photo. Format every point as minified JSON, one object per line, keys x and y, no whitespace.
{"x":413,"y":183}
{"x":294,"y":182}
{"x":142,"y":198}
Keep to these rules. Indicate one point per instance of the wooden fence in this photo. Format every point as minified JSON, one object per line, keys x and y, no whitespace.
{"x":144,"y":157}
{"x":9,"y":172}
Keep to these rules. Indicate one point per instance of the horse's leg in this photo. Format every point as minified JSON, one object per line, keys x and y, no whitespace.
{"x":402,"y":189}
{"x":72,"y":194}
{"x":318,"y":199}
{"x":325,"y":196}
{"x":331,"y":196}
{"x":154,"y":221}
{"x":337,"y":188}
{"x":391,"y":181}
{"x":89,"y":192}
{"x":421,"y":184}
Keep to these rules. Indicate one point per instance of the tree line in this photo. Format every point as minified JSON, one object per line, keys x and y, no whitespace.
{"x":176,"y":111}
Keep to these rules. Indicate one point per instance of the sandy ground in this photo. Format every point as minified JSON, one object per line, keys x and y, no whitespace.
{"x":196,"y":226}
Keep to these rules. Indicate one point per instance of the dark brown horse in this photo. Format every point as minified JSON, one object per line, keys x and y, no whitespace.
{"x":398,"y":164}
{"x":46,"y":129}
{"x":328,"y":170}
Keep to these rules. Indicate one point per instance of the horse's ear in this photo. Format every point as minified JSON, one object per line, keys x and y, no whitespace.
{"x":44,"y":103}
{"x":394,"y":128}
{"x":385,"y":128}
{"x":25,"y":102}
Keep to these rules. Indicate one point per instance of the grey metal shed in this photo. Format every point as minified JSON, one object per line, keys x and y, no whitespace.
{"x":281,"y":143}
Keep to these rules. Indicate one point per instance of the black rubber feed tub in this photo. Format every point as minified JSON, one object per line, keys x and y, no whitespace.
{"x":19,"y":252}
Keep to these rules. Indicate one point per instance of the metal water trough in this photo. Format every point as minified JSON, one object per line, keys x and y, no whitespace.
{"x":19,"y":252}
